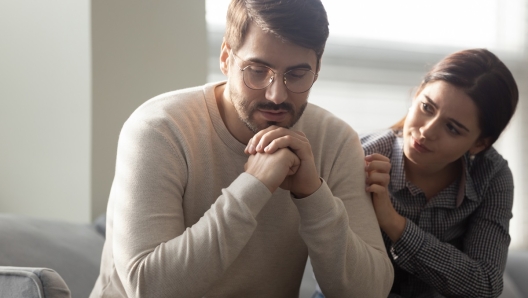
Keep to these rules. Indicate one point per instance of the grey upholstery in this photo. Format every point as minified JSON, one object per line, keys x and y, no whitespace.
{"x":510,"y":289}
{"x":23,"y":282}
{"x":515,"y":275}
{"x":72,"y":250}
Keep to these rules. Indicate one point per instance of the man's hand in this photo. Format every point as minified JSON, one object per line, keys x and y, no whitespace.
{"x":272,"y":169}
{"x":272,"y":140}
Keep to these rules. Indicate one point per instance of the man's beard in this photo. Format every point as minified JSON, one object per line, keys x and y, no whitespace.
{"x":246,"y":109}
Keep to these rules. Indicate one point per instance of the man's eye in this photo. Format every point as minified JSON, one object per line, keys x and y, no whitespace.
{"x":297,"y":73}
{"x":258,"y":70}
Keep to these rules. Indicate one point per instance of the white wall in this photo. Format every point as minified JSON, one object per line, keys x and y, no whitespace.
{"x":154,"y":47}
{"x":70,"y":74}
{"x":45,"y":108}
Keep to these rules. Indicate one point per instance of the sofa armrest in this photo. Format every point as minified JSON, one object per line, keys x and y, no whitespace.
{"x":72,"y":250}
{"x":25,"y":282}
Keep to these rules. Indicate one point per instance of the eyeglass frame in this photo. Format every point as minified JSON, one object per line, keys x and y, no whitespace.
{"x":316,"y":75}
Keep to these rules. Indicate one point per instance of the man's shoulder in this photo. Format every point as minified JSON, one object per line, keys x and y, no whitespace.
{"x":318,"y":120}
{"x":169,"y":100}
{"x":171,"y":111}
{"x":179,"y":105}
{"x":313,"y":112}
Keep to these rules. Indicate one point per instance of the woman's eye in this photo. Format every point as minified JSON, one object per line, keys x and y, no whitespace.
{"x":452,"y":129}
{"x":426,"y":107}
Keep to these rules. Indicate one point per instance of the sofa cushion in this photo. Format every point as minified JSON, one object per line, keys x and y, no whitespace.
{"x":509,"y":290}
{"x":23,"y":282}
{"x":72,"y":250}
{"x":517,"y":269}
{"x":100,"y":224}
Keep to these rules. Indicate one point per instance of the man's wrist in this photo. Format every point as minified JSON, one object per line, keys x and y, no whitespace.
{"x":301,"y":195}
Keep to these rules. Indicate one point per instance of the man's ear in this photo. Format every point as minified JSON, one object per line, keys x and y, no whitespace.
{"x":225,"y":51}
{"x":318,"y":69}
{"x":480,"y":144}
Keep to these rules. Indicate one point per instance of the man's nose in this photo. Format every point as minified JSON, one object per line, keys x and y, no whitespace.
{"x":277,"y":91}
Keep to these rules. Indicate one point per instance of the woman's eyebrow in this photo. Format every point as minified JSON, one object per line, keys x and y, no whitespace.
{"x":431,"y":102}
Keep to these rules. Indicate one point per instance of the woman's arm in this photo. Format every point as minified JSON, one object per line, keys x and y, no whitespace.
{"x":474,"y":271}
{"x":378,"y":177}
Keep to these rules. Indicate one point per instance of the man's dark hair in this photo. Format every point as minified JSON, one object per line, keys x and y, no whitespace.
{"x":301,"y":22}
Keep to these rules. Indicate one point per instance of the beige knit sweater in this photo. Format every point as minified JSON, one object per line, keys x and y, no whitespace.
{"x":184,"y":220}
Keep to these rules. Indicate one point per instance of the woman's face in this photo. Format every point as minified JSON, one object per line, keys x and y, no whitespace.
{"x":442,"y":125}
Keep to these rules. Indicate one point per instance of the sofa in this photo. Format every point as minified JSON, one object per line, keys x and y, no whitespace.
{"x":45,"y":258}
{"x":52,"y":259}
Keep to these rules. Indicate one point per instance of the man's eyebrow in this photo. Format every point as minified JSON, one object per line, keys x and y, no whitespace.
{"x":431,"y":102}
{"x":259,"y":61}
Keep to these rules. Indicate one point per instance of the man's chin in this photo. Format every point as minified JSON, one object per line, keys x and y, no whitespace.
{"x":274,"y":123}
{"x":256,"y":127}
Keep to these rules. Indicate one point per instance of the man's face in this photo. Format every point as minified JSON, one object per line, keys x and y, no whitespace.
{"x":275,"y":104}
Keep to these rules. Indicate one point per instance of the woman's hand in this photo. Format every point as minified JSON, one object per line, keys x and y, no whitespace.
{"x":378,"y":178}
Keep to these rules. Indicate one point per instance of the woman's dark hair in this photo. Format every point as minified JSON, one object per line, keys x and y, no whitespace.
{"x":486,"y":80}
{"x":301,"y":22}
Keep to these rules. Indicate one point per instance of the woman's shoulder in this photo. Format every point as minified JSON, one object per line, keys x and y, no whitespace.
{"x":491,"y":168}
{"x":380,"y":141}
{"x":490,"y":162}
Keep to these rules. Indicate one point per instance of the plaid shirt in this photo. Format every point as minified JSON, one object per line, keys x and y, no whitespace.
{"x":457,"y":243}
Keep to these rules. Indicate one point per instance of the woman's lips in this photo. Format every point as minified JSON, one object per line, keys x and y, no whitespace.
{"x":419,"y":147}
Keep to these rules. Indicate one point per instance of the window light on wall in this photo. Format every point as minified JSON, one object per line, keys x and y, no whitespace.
{"x":493,"y":24}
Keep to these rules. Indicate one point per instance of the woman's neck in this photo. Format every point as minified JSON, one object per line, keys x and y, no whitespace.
{"x":434,"y":178}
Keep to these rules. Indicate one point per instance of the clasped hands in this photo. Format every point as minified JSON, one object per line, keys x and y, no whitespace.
{"x":281,"y":157}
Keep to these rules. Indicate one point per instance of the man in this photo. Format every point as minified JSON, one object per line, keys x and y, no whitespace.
{"x":199,"y":209}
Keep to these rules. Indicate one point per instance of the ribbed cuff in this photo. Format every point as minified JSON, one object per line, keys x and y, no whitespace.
{"x":249,"y":190}
{"x":316,"y":205}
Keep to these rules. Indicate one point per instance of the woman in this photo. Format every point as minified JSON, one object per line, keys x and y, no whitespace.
{"x":442,"y":194}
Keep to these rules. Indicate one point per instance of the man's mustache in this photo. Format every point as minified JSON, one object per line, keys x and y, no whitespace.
{"x":271,"y":106}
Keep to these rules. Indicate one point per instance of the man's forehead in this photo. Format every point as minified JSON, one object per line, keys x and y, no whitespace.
{"x":262,"y":46}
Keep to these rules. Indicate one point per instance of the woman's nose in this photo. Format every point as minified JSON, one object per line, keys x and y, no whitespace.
{"x":428,"y":130}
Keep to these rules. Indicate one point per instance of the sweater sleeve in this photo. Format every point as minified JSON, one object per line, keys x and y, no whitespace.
{"x":475,"y":271}
{"x":339,"y":226}
{"x":155,"y":254}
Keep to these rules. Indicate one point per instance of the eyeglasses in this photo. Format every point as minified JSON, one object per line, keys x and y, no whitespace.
{"x":258,"y":77}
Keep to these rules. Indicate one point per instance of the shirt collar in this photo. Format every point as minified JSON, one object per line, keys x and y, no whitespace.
{"x":468,"y":188}
{"x":398,"y":181}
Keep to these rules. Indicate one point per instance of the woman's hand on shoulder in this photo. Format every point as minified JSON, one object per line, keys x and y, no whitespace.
{"x":378,"y":168}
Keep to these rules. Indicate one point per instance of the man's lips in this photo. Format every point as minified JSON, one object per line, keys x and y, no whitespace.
{"x":419,"y":147}
{"x":274,"y":115}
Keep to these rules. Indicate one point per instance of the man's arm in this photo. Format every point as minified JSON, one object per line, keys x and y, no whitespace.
{"x":338,"y":223}
{"x":155,"y":254}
